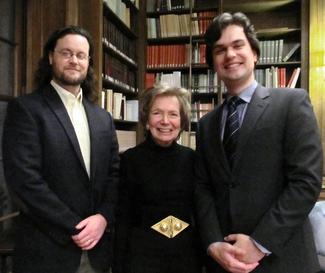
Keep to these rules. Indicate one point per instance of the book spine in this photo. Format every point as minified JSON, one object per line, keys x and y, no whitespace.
{"x":291,"y":52}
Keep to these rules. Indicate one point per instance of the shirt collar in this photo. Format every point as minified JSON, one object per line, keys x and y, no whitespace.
{"x":247,"y":94}
{"x":66,"y":97}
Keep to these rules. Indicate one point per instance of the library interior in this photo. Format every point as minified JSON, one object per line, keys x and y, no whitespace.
{"x":140,"y":42}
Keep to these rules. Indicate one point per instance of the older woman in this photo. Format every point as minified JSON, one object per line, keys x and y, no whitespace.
{"x":155,"y":229}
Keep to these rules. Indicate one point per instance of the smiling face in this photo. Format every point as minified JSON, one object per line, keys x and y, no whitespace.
{"x":165,"y":120}
{"x":69,"y":73}
{"x":234,"y":59}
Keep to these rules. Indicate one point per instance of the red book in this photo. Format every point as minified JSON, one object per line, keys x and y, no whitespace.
{"x":291,"y":78}
{"x":148,"y":56}
{"x":283,"y":76}
{"x":150,"y":79}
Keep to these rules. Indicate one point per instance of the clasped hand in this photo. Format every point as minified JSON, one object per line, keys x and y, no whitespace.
{"x":241,"y":257}
{"x":93,"y":229}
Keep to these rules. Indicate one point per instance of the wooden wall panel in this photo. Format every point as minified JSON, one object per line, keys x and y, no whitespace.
{"x":43,"y":17}
{"x":90,"y":17}
{"x":317,"y":66}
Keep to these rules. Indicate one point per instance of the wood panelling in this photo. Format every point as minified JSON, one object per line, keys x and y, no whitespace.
{"x":317,"y":66}
{"x":43,"y":17}
{"x":94,"y":25}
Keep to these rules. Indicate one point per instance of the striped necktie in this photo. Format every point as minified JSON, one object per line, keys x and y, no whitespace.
{"x":231,"y":129}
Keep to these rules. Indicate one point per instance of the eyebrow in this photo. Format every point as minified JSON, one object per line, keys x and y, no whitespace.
{"x":233,"y":42}
{"x":67,"y":49}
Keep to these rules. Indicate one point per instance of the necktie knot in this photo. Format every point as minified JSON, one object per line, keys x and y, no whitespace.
{"x":234,"y":101}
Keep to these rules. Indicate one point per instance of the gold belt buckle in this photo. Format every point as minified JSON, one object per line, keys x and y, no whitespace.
{"x":170,"y":226}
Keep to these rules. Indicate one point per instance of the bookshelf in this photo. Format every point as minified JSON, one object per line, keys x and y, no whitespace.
{"x":119,"y":71}
{"x":280,"y":25}
{"x":176,"y":53}
{"x":115,"y":33}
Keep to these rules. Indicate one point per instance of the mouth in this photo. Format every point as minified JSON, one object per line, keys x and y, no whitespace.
{"x":164,"y":130}
{"x":232,"y":65}
{"x":72,"y":69}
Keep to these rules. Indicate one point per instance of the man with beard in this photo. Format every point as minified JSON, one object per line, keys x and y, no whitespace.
{"x":60,"y":156}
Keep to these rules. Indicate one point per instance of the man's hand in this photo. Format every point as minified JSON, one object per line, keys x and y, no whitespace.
{"x":251,"y":253}
{"x":225,"y":254}
{"x":93,"y":229}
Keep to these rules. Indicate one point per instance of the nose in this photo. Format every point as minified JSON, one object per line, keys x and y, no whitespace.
{"x":231,"y":53}
{"x":165,"y":118}
{"x":73,"y":59}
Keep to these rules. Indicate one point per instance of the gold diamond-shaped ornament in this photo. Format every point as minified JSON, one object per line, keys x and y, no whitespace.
{"x":170,"y":226}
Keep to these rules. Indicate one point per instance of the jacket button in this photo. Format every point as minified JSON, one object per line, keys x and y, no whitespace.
{"x":233,"y":185}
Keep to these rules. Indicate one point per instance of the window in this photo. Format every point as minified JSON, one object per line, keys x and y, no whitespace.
{"x":12,"y":46}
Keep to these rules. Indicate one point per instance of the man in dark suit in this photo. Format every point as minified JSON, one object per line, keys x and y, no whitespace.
{"x":253,"y":208}
{"x":61,"y":160}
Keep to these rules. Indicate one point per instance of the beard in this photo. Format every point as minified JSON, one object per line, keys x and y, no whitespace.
{"x":70,"y":80}
{"x":67,"y":79}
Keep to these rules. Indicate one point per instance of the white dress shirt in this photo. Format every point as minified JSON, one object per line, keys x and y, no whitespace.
{"x":79,"y":120}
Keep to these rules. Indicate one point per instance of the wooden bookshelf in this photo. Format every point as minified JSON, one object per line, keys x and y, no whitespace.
{"x":115,"y":31}
{"x":186,"y":42}
{"x":273,"y":20}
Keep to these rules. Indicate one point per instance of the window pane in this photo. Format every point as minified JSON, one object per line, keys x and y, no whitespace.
{"x":7,"y":19}
{"x":6,"y":69}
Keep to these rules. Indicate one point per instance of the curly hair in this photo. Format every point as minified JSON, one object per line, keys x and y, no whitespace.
{"x":148,"y":97}
{"x":219,"y":23}
{"x":43,"y":74}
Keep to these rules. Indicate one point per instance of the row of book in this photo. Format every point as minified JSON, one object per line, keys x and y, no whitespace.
{"x":117,"y":41}
{"x":277,"y":77}
{"x":121,"y":10}
{"x":200,"y":82}
{"x":119,"y":107}
{"x":199,"y":53}
{"x":187,"y":139}
{"x":118,"y":73}
{"x":177,"y":25}
{"x":169,"y":5}
{"x":201,"y":21}
{"x":200,"y":109}
{"x":165,"y":56}
{"x":169,"y":25}
{"x":176,"y":78}
{"x":272,"y":51}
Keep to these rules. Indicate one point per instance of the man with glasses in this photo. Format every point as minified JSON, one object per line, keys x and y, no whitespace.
{"x":60,"y":156}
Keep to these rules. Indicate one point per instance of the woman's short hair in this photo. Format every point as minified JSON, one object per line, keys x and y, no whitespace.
{"x":219,"y":23}
{"x":163,"y":89}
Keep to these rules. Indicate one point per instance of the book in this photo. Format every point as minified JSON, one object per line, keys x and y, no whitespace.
{"x":290,"y":53}
{"x":280,"y":50}
{"x":109,"y":100}
{"x":291,"y":77}
{"x":132,"y":110}
{"x":295,"y":78}
{"x":117,"y":105}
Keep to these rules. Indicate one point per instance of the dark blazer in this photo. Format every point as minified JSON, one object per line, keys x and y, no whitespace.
{"x":45,"y":172}
{"x":274,"y":184}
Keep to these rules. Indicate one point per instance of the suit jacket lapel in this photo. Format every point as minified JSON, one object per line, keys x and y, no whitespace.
{"x":256,"y":107}
{"x":216,"y":142}
{"x":55,"y":103}
{"x":93,"y":129}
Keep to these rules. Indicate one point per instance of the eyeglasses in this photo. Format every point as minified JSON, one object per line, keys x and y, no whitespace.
{"x":67,"y":54}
